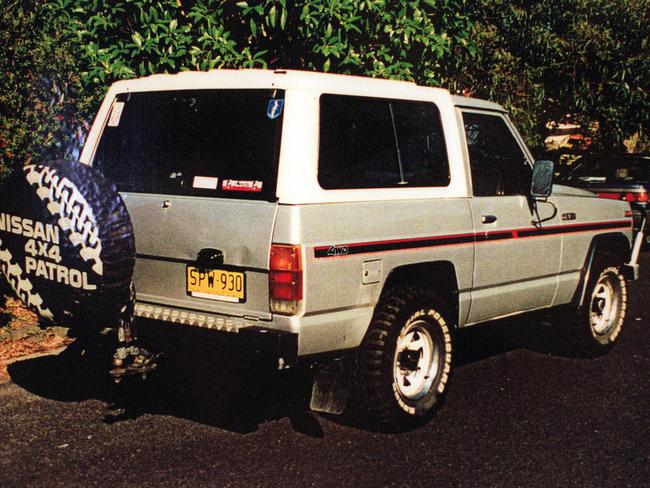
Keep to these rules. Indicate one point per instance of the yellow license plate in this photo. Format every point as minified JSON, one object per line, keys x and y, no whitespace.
{"x":216,"y":284}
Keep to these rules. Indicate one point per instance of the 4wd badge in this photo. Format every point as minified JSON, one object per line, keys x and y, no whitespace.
{"x":338,"y":250}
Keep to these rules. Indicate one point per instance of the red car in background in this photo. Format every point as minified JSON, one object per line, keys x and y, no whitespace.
{"x":619,"y":177}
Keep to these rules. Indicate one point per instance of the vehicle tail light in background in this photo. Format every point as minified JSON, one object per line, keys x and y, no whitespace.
{"x":611,"y":196}
{"x":639,"y":197}
{"x":285,"y":278}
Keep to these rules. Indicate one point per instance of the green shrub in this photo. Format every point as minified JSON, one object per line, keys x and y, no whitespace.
{"x":401,"y":39}
{"x":39,"y":88}
{"x":541,"y":59}
{"x":61,"y":55}
{"x":546,"y":59}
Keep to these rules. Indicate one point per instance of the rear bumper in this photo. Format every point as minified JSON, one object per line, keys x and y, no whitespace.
{"x":272,"y":347}
{"x":290,"y":336}
{"x":192,"y":317}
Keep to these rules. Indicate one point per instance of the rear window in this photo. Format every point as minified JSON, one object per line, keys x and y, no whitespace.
{"x":380,"y":143}
{"x":611,"y":170}
{"x":202,"y":142}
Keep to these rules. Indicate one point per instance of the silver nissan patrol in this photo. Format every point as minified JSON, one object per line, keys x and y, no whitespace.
{"x":349,"y":217}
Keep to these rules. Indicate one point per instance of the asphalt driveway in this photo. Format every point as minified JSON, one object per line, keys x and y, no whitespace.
{"x":523,"y":410}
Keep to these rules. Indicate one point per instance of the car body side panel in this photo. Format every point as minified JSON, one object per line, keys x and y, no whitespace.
{"x":590,"y":212}
{"x":344,"y":243}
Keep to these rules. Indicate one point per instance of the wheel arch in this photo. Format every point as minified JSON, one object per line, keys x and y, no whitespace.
{"x":614,"y":244}
{"x":437,"y":276}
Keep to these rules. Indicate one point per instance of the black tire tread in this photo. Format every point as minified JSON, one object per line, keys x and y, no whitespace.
{"x":372,"y":397}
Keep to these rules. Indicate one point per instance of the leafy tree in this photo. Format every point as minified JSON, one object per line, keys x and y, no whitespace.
{"x":546,"y":59}
{"x":403,"y":39}
{"x":540,"y":59}
{"x":38,"y":88}
{"x":63,"y":54}
{"x":400,"y":39}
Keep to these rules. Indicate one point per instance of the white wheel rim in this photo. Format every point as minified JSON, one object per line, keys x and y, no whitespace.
{"x":604,"y":306}
{"x":416,"y":362}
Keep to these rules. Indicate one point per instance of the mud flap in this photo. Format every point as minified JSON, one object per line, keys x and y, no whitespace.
{"x":330,"y":389}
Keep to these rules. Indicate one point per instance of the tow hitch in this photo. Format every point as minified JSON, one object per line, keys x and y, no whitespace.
{"x":132,"y":360}
{"x":129,"y":358}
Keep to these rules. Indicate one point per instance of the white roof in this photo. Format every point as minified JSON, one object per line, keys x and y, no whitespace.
{"x":256,"y":78}
{"x":285,"y":79}
{"x":477,"y":103}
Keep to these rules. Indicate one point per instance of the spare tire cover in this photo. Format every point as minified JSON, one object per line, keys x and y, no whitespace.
{"x":66,"y":243}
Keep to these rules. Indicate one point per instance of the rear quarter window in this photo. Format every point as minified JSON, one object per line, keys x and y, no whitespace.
{"x":380,"y":143}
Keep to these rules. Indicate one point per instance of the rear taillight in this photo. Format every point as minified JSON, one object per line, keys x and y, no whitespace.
{"x":285,"y":278}
{"x":639,"y":197}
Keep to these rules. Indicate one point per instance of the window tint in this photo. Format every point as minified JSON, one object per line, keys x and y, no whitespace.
{"x":498,"y":165}
{"x":194,"y":142}
{"x":379,"y":143}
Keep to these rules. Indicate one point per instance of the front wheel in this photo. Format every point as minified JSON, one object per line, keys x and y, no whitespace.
{"x":404,"y":362}
{"x":601,"y":320}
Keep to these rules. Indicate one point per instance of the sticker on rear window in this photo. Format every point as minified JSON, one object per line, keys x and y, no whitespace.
{"x":205,"y":182}
{"x":116,"y":114}
{"x":242,"y":185}
{"x":274,"y":108}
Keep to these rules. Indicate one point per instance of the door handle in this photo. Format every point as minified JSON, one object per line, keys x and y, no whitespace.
{"x":488,"y":219}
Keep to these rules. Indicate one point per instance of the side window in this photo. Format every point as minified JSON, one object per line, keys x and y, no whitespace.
{"x":498,"y":165}
{"x":380,"y":143}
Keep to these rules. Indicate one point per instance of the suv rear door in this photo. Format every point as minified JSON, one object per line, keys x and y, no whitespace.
{"x":197,"y":170}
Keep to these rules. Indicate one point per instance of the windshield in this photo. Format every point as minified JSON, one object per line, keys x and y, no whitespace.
{"x":201,"y":142}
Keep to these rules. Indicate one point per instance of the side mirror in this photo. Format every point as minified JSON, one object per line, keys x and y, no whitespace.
{"x":542,"y":183}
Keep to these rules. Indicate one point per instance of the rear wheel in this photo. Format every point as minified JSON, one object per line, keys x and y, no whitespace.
{"x":404,"y":362}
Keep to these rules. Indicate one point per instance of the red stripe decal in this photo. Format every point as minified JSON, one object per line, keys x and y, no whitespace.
{"x":467,"y":238}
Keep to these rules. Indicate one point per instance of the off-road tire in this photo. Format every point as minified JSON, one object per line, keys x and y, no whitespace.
{"x":91,"y":232}
{"x":398,"y":387}
{"x":598,"y":323}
